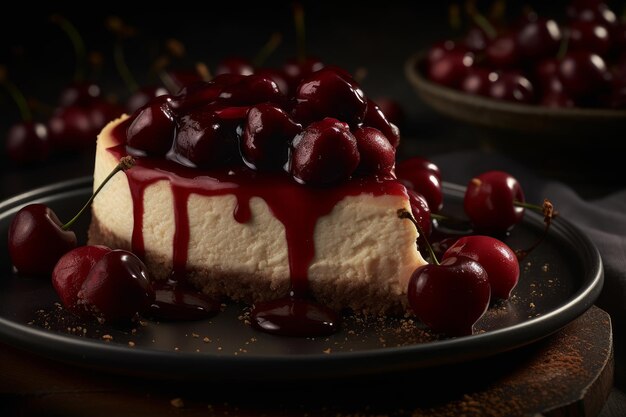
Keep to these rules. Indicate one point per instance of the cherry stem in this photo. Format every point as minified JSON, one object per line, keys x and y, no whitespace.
{"x":17,"y":96}
{"x":563,"y":48}
{"x":267,"y":49}
{"x":125,"y":163}
{"x":480,"y":20}
{"x":77,"y":42}
{"x":405,"y":214}
{"x":529,"y":206}
{"x":549,"y":214}
{"x":122,"y":67}
{"x":298,"y":18}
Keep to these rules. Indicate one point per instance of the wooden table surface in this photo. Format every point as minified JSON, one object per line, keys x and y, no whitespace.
{"x":567,"y":374}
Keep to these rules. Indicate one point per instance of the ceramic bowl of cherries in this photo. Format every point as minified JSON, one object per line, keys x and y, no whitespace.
{"x":532,"y":73}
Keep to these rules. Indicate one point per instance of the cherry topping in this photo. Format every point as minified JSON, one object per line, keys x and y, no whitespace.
{"x":376,"y":153}
{"x":495,"y":256}
{"x":117,"y":287}
{"x":296,"y":70}
{"x":71,"y":270}
{"x":251,"y":90}
{"x":266,"y":137}
{"x":325,"y":152}
{"x":204,"y":140}
{"x":327,"y":93}
{"x":276,"y":75}
{"x":374,"y":117}
{"x":490,"y":202}
{"x":152,"y":128}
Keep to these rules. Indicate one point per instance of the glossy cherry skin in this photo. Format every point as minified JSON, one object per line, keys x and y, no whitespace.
{"x":267,"y":133}
{"x":117,"y":287}
{"x":451,"y":68}
{"x":276,"y":75}
{"x":251,"y":90}
{"x":420,"y":211}
{"x":589,"y":36}
{"x":327,"y":93}
{"x":392,"y":109}
{"x":405,"y":169}
{"x":374,"y":117}
{"x":539,"y":38}
{"x":181,"y":78}
{"x":511,"y":86}
{"x":451,"y":297}
{"x":204,"y":140}
{"x":324,"y":153}
{"x":377,"y":155}
{"x":504,"y":51}
{"x":489,"y":202}
{"x":143,"y":96}
{"x":70,"y":128}
{"x":79,"y":94}
{"x":234,"y":65}
{"x":153,"y":128}
{"x":495,"y":256}
{"x":296,"y":70}
{"x":197,"y":95}
{"x":416,"y":175}
{"x":37,"y":240}
{"x":583,"y":73}
{"x":27,"y":142}
{"x":70,"y":273}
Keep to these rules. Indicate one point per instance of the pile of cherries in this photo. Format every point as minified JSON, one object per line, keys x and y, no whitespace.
{"x":451,"y":296}
{"x":535,"y":60}
{"x":326,"y":132}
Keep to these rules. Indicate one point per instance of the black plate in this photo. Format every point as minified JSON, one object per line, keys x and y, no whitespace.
{"x":559,"y":282}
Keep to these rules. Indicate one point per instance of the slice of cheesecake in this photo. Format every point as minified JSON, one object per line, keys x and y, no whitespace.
{"x":255,"y":236}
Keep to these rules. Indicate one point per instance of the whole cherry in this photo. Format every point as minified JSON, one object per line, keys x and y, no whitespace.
{"x":538,"y":38}
{"x":494,"y":256}
{"x":152,"y":128}
{"x":70,"y":272}
{"x":325,"y":152}
{"x":374,"y":117}
{"x":589,"y":36}
{"x":251,"y":90}
{"x":451,"y":68}
{"x":71,"y":129}
{"x":478,"y":81}
{"x":377,"y":155}
{"x":583,"y":73}
{"x":27,"y":143}
{"x":117,"y":287}
{"x":327,"y":93}
{"x":422,"y":176}
{"x":511,"y":86}
{"x":449,"y":297}
{"x":267,"y":133}
{"x":492,"y":202}
{"x":504,"y":51}
{"x":37,"y":238}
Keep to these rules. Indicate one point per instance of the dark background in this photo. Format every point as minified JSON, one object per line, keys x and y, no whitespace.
{"x":377,"y":36}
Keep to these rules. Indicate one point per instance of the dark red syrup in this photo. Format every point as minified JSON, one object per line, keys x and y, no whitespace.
{"x":178,"y":301}
{"x":290,"y":316}
{"x":296,"y":206}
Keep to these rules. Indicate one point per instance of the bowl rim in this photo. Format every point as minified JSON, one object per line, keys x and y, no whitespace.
{"x":422,"y":84}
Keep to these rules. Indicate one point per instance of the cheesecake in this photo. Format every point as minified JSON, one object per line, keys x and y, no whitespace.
{"x":319,"y":220}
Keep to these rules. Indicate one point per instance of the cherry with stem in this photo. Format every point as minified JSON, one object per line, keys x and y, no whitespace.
{"x":38,"y":239}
